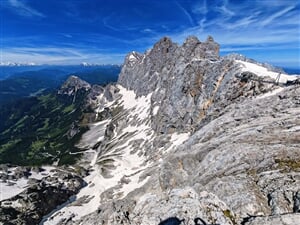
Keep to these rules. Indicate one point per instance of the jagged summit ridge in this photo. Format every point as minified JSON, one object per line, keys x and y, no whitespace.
{"x":165,"y":52}
{"x":184,"y":81}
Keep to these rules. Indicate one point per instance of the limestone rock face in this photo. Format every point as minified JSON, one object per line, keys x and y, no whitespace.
{"x":186,"y":133}
{"x":186,"y":82}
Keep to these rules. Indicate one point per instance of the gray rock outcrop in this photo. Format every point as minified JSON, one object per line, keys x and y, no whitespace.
{"x":39,"y":198}
{"x":72,"y":85}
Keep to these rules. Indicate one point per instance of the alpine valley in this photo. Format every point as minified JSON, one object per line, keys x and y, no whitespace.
{"x":183,"y":134}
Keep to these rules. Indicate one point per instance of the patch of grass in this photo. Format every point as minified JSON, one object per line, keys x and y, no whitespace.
{"x":39,"y":127}
{"x":69,"y":108}
{"x":21,"y":122}
{"x":227,"y":213}
{"x":46,"y":125}
{"x":288,"y":164}
{"x":8,"y":145}
{"x":36,"y":146}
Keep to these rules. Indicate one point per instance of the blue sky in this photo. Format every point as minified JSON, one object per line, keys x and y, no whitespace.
{"x":104,"y":31}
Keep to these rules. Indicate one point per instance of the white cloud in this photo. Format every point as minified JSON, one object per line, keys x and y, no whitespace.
{"x":53,"y":55}
{"x":245,"y":22}
{"x":67,"y":35}
{"x":147,"y":30}
{"x":224,"y":9}
{"x":186,"y":13}
{"x":246,"y":27}
{"x":22,"y":9}
{"x":278,"y":14}
{"x":200,"y":8}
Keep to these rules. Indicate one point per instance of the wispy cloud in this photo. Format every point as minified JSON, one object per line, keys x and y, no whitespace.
{"x":246,"y":26}
{"x":67,"y":35}
{"x":250,"y":28}
{"x":201,"y":9}
{"x":186,"y":13}
{"x":107,"y":24}
{"x":244,"y":22}
{"x":23,"y":9}
{"x":245,"y":48}
{"x":54,"y":55}
{"x":225,"y":10}
{"x":278,"y":14}
{"x":112,"y":22}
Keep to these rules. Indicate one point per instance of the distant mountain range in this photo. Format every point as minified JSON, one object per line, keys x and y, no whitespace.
{"x":24,"y":81}
{"x":17,"y":64}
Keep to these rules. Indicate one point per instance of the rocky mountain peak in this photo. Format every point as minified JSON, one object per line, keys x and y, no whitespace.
{"x":164,"y":46}
{"x":210,"y":39}
{"x":73,"y":84}
{"x":191,"y":41}
{"x":193,"y":48}
{"x":212,"y":48}
{"x":132,"y":58}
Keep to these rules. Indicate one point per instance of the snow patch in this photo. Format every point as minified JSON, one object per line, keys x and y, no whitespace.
{"x":263,"y":72}
{"x":155,"y":110}
{"x":133,"y":184}
{"x":138,"y":106}
{"x":97,"y":184}
{"x":271,"y":93}
{"x":178,"y":139}
{"x":12,"y":188}
{"x":128,"y":164}
{"x":47,"y":171}
{"x":93,"y":135}
{"x":131,"y":57}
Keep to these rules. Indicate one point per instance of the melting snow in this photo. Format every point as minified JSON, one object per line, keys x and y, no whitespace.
{"x":127,"y":165}
{"x":93,"y":135}
{"x":262,"y":71}
{"x":133,"y":184}
{"x":13,"y":188}
{"x":132,"y":57}
{"x":155,"y":110}
{"x":178,"y":139}
{"x":271,"y":93}
{"x":8,"y":191}
{"x":137,"y":106}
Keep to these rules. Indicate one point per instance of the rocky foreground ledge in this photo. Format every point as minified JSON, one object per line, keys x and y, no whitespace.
{"x":35,"y":192}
